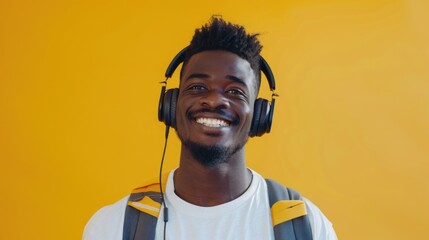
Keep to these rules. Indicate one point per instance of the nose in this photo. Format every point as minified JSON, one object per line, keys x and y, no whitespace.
{"x":214,"y":99}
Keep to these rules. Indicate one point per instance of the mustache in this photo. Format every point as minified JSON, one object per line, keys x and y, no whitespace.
{"x":220,"y":112}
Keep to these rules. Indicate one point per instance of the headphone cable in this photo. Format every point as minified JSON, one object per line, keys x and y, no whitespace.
{"x":167,"y":130}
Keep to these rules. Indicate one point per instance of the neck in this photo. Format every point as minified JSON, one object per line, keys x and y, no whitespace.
{"x":211,"y":186}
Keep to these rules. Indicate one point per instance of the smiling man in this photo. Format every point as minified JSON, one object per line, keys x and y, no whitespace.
{"x":213,"y":194}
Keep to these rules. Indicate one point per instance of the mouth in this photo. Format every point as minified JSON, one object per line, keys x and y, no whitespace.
{"x":212,"y":122}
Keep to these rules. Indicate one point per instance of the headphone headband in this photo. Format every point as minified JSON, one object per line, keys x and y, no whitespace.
{"x":180,"y":58}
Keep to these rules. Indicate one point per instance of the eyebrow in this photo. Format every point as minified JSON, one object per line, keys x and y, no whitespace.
{"x":205,"y":76}
{"x":197,"y":75}
{"x":236,"y":79}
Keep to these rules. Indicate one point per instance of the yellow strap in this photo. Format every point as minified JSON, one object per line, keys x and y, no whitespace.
{"x":146,"y":205}
{"x":153,"y":185}
{"x":286,"y":210}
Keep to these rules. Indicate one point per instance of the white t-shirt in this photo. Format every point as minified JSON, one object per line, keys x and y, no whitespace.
{"x":246,"y":217}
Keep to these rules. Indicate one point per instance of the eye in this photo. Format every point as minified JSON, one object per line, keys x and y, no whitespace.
{"x":196,"y":88}
{"x":237,"y":93}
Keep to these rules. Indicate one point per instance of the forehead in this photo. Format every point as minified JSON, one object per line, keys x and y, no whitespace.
{"x":219,"y":63}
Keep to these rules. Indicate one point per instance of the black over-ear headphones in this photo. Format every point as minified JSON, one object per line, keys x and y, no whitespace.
{"x":263,"y":109}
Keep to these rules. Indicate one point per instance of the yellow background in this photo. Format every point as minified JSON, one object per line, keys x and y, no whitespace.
{"x":79,"y":93}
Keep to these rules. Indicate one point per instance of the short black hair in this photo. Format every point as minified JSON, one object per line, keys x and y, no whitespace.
{"x":218,"y":34}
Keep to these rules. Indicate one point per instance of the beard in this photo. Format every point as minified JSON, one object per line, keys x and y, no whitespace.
{"x":211,"y":156}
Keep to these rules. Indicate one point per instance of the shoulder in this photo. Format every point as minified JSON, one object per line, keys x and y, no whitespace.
{"x":107,"y":223}
{"x":320,"y":225}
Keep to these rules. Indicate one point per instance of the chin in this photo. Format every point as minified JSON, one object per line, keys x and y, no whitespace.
{"x":211,"y":155}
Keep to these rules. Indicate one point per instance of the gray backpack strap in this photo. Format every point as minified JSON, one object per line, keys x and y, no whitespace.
{"x":295,"y":229}
{"x":140,"y":225}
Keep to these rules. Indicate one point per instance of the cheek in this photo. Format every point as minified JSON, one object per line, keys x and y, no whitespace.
{"x":247,"y":113}
{"x":183,"y":106}
{"x":180,"y":114}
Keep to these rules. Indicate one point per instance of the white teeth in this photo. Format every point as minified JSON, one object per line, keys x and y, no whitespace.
{"x":212,"y":122}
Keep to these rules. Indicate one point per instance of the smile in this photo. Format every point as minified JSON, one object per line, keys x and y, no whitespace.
{"x":212,"y":122}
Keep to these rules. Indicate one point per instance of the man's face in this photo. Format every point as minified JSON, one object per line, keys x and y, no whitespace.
{"x":215,"y":105}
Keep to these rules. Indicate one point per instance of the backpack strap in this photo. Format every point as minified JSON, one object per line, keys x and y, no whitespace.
{"x":288,"y":213}
{"x":142,"y":211}
{"x":287,"y":210}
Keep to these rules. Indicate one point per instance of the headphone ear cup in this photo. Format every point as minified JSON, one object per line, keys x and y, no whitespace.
{"x":262,"y":126}
{"x":168,"y":107}
{"x":256,"y":117}
{"x":271,"y":115}
{"x":161,"y":105}
{"x":173,"y":104}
